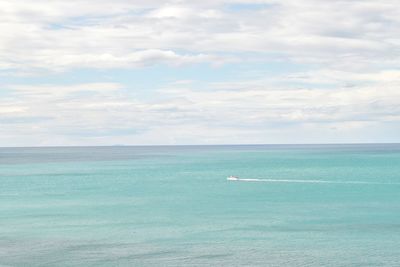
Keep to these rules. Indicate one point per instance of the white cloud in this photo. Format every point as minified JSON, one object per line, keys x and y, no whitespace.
{"x":107,"y":111}
{"x":60,"y":34}
{"x":135,"y":59}
{"x":347,"y":50}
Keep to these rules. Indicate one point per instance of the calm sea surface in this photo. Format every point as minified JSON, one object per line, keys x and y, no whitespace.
{"x":325,"y":205}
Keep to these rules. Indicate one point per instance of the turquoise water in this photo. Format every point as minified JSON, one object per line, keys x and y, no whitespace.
{"x":325,"y":205}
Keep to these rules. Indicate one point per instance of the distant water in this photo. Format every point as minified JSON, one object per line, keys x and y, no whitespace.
{"x":325,"y":205}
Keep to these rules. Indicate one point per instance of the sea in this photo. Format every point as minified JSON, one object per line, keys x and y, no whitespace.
{"x":292,"y":205}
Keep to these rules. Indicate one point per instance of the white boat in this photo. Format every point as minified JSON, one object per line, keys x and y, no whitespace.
{"x":232,"y":178}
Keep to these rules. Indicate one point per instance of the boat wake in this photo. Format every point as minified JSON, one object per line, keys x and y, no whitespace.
{"x":234,"y":178}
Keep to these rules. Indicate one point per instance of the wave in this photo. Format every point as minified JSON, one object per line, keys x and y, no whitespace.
{"x":311,"y":181}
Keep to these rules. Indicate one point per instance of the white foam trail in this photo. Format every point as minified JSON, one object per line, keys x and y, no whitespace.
{"x":310,"y":181}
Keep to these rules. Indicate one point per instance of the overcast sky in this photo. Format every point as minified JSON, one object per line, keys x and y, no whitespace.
{"x":85,"y":72}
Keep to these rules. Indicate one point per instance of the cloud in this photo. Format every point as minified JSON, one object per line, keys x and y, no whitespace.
{"x":59,"y":35}
{"x":303,"y":70}
{"x":107,"y":111}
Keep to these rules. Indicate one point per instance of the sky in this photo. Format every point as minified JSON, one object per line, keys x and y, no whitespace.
{"x":134,"y":72}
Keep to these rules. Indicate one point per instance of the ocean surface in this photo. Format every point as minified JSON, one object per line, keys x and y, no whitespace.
{"x":293,"y":205}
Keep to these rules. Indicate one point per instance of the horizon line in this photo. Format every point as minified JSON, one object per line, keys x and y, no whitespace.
{"x":193,"y":145}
